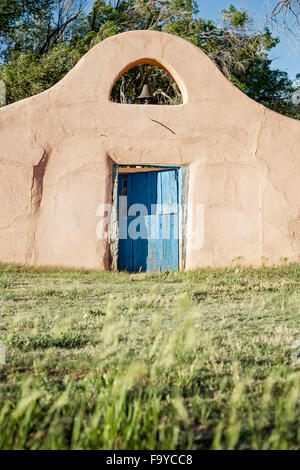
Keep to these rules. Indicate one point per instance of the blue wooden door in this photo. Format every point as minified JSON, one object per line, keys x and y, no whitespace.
{"x":148,"y":221}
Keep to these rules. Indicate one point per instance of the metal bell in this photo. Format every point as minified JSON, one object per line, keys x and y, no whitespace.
{"x":146,"y":93}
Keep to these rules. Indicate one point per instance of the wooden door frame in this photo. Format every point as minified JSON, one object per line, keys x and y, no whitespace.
{"x":183,"y":184}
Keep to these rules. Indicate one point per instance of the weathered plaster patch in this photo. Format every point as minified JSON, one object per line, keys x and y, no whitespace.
{"x":38,"y":173}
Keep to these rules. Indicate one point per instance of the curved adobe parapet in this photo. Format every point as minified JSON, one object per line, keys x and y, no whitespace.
{"x":57,"y":150}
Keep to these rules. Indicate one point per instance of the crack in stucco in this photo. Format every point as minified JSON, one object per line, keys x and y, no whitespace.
{"x":265,"y":178}
{"x":261,"y":218}
{"x":37,"y":188}
{"x":163,"y":125}
{"x":261,"y":126}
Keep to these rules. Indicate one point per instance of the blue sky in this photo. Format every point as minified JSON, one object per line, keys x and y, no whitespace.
{"x":285,"y":57}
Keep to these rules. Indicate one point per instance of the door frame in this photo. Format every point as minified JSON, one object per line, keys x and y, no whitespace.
{"x":183,"y":185}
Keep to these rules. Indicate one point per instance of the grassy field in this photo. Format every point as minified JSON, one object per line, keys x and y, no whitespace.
{"x":198,"y":360}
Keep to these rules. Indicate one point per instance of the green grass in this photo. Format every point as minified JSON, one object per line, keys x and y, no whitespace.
{"x":195,"y":360}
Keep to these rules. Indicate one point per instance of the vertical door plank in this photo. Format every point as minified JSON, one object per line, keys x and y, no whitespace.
{"x":140,"y":244}
{"x":159,"y":251}
{"x":128,"y":247}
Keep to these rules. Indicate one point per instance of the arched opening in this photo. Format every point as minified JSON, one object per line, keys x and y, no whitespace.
{"x":146,"y":83}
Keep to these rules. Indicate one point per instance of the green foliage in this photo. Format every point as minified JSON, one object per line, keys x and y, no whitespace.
{"x":193,"y":360}
{"x":31,"y":342}
{"x":41,"y":41}
{"x":14,"y":13}
{"x":270,"y":87}
{"x":129,"y":86}
{"x":28,"y":26}
{"x":235,"y":18}
{"x":26,"y":75}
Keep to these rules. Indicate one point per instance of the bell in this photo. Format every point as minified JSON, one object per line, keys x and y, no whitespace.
{"x":146,"y":94}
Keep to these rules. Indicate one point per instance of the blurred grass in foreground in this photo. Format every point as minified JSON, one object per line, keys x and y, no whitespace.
{"x":190,"y":360}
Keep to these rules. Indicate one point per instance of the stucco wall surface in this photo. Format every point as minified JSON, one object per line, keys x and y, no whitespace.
{"x":57,"y":151}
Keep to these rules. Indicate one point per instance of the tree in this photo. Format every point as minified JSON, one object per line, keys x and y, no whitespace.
{"x":36,"y":25}
{"x":52,"y":39}
{"x":238,"y":54}
{"x":284,"y":11}
{"x":34,"y":42}
{"x":14,"y":11}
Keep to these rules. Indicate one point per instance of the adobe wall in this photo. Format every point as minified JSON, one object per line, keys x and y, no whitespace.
{"x":57,"y":149}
